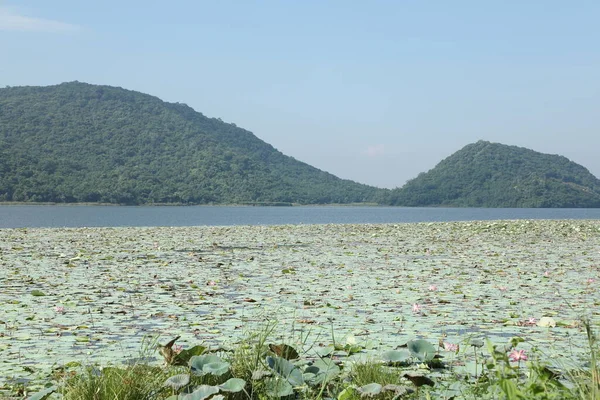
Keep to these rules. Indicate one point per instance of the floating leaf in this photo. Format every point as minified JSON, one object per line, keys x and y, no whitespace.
{"x":546,"y":322}
{"x":396,"y":356}
{"x":421,"y":349}
{"x":36,"y":292}
{"x":324,"y":351}
{"x":43,"y":394}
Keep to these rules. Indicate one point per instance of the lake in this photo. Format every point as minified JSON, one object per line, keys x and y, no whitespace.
{"x":21,"y":216}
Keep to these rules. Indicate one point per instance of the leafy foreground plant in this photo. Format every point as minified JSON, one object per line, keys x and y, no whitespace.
{"x":501,"y":378}
{"x":259,"y":370}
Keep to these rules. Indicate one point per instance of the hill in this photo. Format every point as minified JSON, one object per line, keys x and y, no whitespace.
{"x":77,"y":142}
{"x":485,"y":174}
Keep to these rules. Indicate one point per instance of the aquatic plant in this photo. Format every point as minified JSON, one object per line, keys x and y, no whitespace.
{"x":396,"y":374}
{"x":131,"y":290}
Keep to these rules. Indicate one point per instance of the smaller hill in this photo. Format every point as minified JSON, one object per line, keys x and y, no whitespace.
{"x":485,"y":174}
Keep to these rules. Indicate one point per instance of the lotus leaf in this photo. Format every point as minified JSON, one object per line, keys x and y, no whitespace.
{"x":276,"y":387}
{"x":312,"y":370}
{"x":546,"y":322}
{"x":399,"y":390}
{"x":233,"y":385}
{"x":208,"y":364}
{"x":396,"y":356}
{"x":321,"y":371}
{"x":43,"y":394}
{"x":470,"y":368}
{"x":200,"y":393}
{"x":177,"y":381}
{"x":327,"y":366}
{"x":421,"y":349}
{"x":370,"y":390}
{"x":349,"y":348}
{"x":324,"y":351}
{"x":286,"y":369}
{"x":216,"y":368}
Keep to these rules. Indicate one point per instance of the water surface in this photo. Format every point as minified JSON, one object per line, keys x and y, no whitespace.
{"x":20,"y":216}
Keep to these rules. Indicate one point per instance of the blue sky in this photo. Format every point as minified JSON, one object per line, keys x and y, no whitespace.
{"x":373,"y":91}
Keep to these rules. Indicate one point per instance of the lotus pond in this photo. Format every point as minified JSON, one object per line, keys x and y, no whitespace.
{"x":90,"y":295}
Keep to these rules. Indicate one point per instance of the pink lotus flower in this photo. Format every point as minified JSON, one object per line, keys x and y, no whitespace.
{"x":531,"y":321}
{"x":177,"y":348}
{"x":591,"y":280}
{"x":547,"y":273}
{"x":433,"y":288}
{"x":59,"y":310}
{"x":451,"y":347}
{"x":517,"y":355}
{"x":416,"y":308}
{"x":503,"y":288}
{"x":211,"y":283}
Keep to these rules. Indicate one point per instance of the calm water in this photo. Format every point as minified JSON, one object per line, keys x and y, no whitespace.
{"x":90,"y":216}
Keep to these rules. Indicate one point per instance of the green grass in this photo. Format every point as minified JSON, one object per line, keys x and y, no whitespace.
{"x":586,"y":381}
{"x":138,"y":382}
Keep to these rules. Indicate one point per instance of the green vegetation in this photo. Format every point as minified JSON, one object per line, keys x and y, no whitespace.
{"x":77,"y":142}
{"x":485,"y":174}
{"x":82,"y":143}
{"x":254,"y":370}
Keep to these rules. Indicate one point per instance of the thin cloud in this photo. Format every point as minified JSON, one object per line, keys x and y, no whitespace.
{"x":375,"y":150}
{"x":12,"y":21}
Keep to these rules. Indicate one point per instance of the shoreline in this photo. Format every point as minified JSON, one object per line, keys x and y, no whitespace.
{"x":247,"y":204}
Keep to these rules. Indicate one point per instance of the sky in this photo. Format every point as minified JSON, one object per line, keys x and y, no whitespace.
{"x":374,"y":91}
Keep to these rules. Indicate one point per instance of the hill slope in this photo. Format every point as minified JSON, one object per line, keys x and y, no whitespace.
{"x":485,"y":174}
{"x":77,"y":142}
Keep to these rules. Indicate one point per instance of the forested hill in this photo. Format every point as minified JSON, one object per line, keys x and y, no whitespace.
{"x":77,"y":142}
{"x":485,"y":174}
